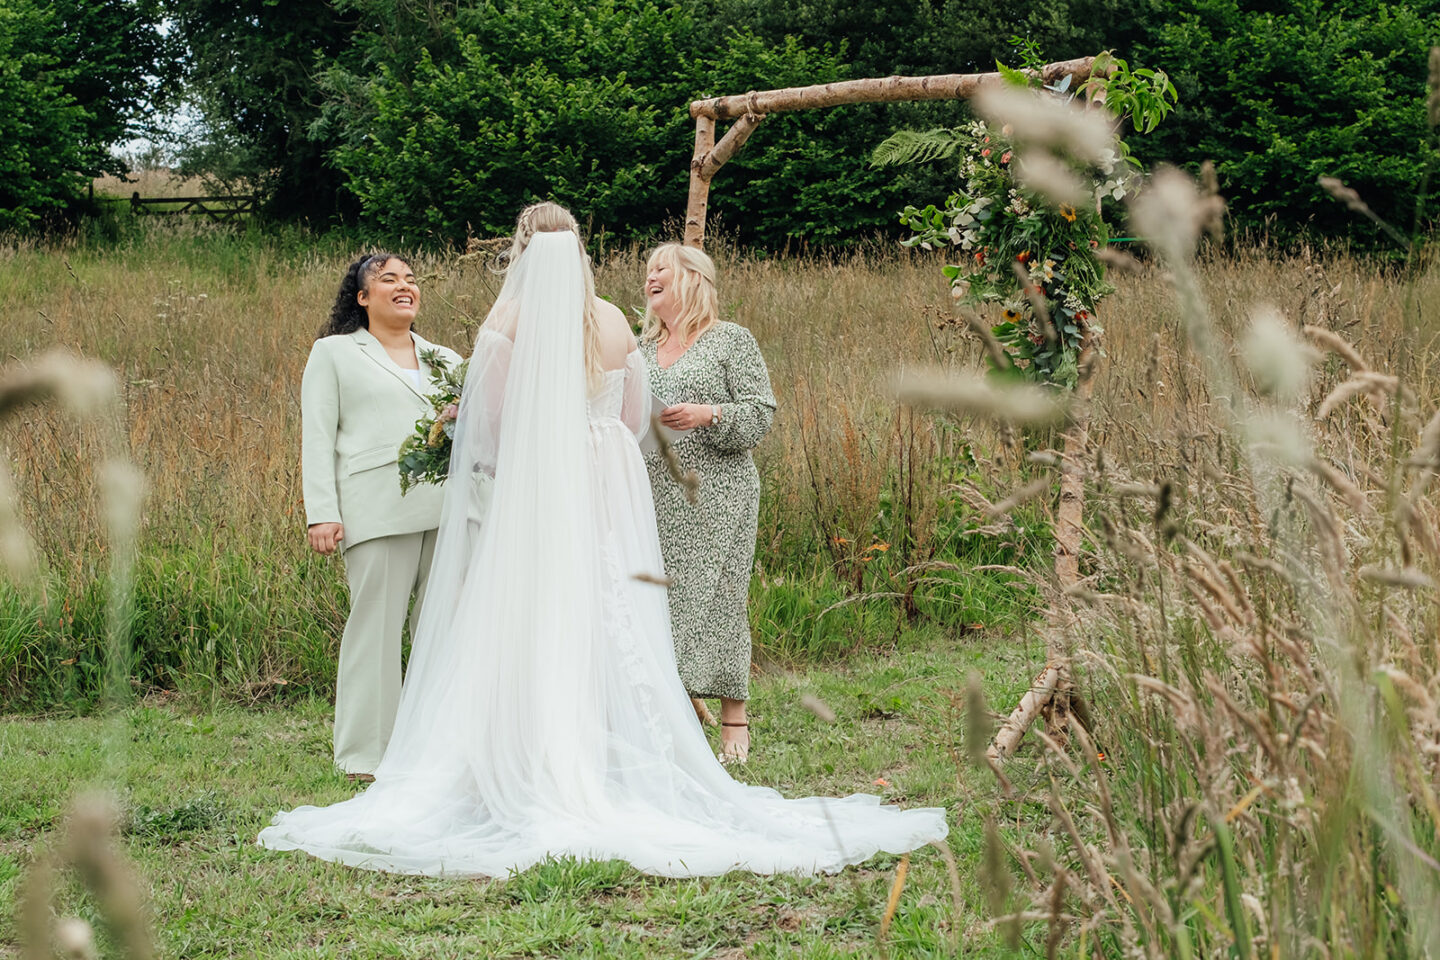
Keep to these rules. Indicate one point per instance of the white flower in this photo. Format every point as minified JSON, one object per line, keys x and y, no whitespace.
{"x":1039,"y":271}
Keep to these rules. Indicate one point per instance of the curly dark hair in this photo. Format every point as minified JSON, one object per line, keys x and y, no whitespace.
{"x":347,"y":316}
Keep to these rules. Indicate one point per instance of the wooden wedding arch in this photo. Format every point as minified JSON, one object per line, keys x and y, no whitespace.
{"x":1050,"y":691}
{"x":747,"y":110}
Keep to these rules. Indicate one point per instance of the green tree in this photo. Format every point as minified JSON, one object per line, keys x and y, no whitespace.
{"x":76,"y":77}
{"x":42,"y":128}
{"x":803,"y":176}
{"x":252,"y":69}
{"x":538,"y":100}
{"x":1281,"y":92}
{"x":588,"y":107}
{"x":120,"y":69}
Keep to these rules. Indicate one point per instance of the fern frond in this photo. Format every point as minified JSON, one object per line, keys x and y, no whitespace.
{"x":916,"y":146}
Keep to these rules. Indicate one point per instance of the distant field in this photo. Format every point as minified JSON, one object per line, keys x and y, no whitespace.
{"x":151,"y":183}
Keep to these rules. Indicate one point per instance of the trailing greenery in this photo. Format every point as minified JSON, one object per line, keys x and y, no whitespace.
{"x":425,"y":454}
{"x":1020,"y":245}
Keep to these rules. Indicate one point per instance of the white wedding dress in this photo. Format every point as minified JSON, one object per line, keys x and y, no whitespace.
{"x":542,"y":715}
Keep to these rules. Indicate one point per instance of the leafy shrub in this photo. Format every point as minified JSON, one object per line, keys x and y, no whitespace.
{"x":41,"y":127}
{"x":1280,"y":94}
{"x":588,"y":107}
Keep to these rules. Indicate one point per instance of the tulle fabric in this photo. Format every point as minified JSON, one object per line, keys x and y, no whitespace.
{"x":542,"y":715}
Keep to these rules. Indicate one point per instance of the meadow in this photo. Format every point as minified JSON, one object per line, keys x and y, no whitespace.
{"x":1256,"y":636}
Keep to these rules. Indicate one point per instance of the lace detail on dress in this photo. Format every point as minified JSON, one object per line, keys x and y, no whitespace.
{"x":618,"y":622}
{"x":604,"y":404}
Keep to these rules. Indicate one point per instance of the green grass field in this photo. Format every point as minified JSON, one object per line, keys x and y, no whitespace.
{"x":196,"y":786}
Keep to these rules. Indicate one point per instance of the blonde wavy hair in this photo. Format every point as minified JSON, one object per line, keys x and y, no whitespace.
{"x":547,"y":217}
{"x":694,"y":282}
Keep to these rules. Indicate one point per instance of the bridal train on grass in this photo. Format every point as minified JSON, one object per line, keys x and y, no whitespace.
{"x":542,"y":714}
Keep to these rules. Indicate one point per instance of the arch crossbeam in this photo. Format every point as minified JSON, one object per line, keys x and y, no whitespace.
{"x":749,"y":109}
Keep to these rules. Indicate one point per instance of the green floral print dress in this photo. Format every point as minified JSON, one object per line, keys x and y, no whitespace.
{"x":709,"y":546}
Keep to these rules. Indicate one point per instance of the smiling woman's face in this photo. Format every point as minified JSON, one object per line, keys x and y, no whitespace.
{"x":391,"y":297}
{"x":660,"y":291}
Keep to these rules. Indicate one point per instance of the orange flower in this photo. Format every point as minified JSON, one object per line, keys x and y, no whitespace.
{"x":1023,"y":256}
{"x":881,"y":782}
{"x":840,"y":540}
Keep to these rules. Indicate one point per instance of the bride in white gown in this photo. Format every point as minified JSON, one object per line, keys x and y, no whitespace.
{"x":542,"y":715}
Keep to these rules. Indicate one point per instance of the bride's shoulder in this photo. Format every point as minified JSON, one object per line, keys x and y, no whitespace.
{"x":607,"y":312}
{"x":613,"y":327}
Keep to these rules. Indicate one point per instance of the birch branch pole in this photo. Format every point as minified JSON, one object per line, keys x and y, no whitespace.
{"x":1051,"y":692}
{"x":747,"y":110}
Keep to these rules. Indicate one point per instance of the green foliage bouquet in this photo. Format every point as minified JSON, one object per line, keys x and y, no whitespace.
{"x":1025,"y":251}
{"x":1035,"y":259}
{"x":425,"y":454}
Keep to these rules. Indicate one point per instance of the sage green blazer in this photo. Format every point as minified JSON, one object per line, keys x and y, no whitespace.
{"x":357,"y":406}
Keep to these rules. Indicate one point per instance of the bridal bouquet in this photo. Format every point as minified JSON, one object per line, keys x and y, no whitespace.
{"x":425,"y":454}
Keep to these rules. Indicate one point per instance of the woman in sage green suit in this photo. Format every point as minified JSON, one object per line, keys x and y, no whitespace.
{"x":364,"y":387}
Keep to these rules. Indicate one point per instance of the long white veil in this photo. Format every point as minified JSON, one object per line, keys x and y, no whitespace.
{"x":542,"y":713}
{"x":523,"y":420}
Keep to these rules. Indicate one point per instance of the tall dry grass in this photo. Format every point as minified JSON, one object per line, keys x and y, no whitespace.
{"x":1257,"y":772}
{"x":209,"y":331}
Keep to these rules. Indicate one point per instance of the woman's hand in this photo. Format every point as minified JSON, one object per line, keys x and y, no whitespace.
{"x":325,"y":537}
{"x":687,"y":416}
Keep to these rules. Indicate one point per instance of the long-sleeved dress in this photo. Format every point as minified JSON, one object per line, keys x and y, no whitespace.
{"x":709,"y":546}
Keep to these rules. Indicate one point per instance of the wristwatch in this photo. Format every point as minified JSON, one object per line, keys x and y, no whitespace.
{"x":714,"y":414}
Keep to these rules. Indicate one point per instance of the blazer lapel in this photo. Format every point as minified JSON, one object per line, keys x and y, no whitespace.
{"x":373,"y":349}
{"x":421,"y":345}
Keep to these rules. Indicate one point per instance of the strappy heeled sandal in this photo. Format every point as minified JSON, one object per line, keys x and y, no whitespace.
{"x":733,"y":751}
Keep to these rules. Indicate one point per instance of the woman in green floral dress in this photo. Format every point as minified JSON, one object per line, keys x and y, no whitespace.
{"x":712,"y":378}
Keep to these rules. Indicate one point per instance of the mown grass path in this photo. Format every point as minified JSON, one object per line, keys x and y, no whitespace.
{"x":197,"y":784}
